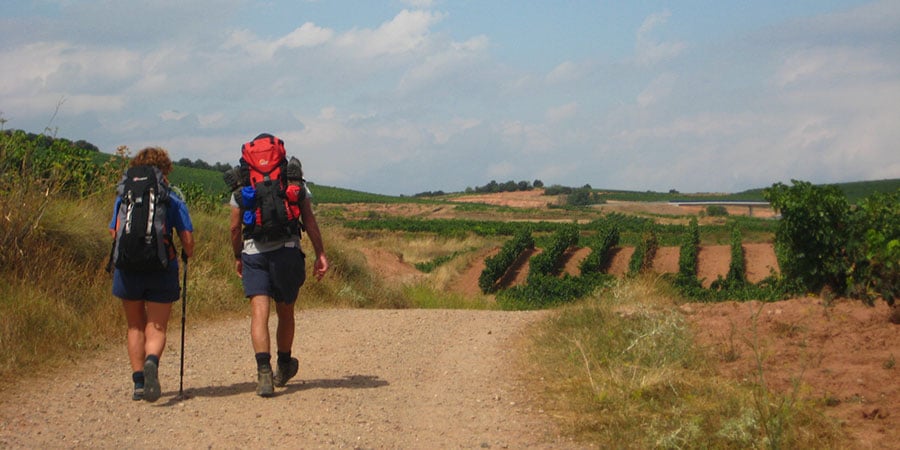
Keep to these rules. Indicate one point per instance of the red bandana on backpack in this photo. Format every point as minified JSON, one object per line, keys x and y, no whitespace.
{"x":270,"y":205}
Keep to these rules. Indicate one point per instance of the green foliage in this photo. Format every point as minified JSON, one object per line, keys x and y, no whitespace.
{"x":583,"y":197}
{"x":876,"y":267}
{"x":329,"y":194}
{"x":857,"y":191}
{"x":55,"y":165}
{"x":452,"y":227}
{"x":197,"y":198}
{"x":734,"y":286}
{"x":429,"y":266}
{"x":687,"y":258}
{"x":812,"y":234}
{"x":509,"y":186}
{"x":544,"y":291}
{"x":549,"y":262}
{"x":601,"y":246}
{"x":823,"y":241}
{"x":497,"y":265}
{"x":737,"y":268}
{"x":198,"y":180}
{"x":642,"y":258}
{"x":716,"y":211}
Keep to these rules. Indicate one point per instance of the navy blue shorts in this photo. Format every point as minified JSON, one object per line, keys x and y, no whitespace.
{"x":158,"y":287}
{"x":277,"y":274}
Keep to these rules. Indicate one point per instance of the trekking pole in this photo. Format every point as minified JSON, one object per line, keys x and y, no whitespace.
{"x":183,"y":314}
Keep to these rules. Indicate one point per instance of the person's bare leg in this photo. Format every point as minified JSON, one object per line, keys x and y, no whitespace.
{"x":284,"y":333}
{"x":259,"y":323}
{"x":136,"y":317}
{"x":157,"y":323}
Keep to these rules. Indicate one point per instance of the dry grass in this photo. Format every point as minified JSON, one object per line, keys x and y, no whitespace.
{"x":55,"y":297}
{"x":621,"y":370}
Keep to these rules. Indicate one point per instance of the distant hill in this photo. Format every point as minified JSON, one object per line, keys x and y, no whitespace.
{"x":855,"y":190}
{"x":211,"y":181}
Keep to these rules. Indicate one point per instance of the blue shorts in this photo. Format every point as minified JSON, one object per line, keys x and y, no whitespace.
{"x":157,"y":287}
{"x":277,"y":274}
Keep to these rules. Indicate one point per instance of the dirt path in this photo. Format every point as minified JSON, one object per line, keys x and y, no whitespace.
{"x":368,"y":379}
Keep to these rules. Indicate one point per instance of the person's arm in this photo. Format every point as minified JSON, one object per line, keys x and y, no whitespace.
{"x":312,"y":230}
{"x":182,"y":223}
{"x":187,"y":242}
{"x":237,"y":238}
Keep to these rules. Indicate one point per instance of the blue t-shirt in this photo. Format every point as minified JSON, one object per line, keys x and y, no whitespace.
{"x":177,"y":216}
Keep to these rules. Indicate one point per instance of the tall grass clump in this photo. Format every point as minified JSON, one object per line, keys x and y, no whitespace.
{"x":52,"y":234}
{"x":622,"y":370}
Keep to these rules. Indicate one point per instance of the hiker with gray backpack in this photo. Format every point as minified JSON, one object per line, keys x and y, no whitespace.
{"x":144,"y":262}
{"x":270,"y":207}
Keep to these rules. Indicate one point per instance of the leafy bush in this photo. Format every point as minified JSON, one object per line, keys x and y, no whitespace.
{"x":876,"y":226}
{"x":737,"y":268}
{"x":687,"y":258}
{"x":601,"y":246}
{"x":822,"y":240}
{"x":716,"y":211}
{"x":549,"y":262}
{"x":644,"y":252}
{"x":812,"y":233}
{"x":497,"y":265}
{"x":543,"y":291}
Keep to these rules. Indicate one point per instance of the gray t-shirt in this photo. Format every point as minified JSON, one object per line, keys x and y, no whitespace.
{"x":251,"y":247}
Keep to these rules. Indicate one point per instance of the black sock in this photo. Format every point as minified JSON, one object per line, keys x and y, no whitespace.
{"x":284,"y":358}
{"x":264,"y":360}
{"x":138,"y":378}
{"x":153,"y":358}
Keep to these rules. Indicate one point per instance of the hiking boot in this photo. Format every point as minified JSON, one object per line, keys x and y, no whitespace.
{"x":151,"y":381}
{"x":264,"y":384}
{"x":286,"y":371}
{"x":138,"y":393}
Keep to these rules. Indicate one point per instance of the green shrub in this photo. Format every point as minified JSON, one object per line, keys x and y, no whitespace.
{"x":822,"y":240}
{"x":497,"y":265}
{"x":737,"y":268}
{"x":549,"y":262}
{"x":601,"y":251}
{"x":644,"y":252}
{"x":812,"y":233}
{"x":543,"y":291}
{"x":876,"y":265}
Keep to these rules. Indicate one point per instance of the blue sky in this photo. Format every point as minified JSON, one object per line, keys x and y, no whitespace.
{"x":405,"y":96}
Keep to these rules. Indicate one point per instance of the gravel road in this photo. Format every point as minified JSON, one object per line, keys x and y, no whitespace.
{"x":368,"y":379}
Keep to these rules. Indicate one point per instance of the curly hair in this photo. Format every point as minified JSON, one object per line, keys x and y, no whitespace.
{"x":153,"y":156}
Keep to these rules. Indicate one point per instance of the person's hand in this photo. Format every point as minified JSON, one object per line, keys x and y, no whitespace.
{"x":239,"y":267}
{"x":320,"y":267}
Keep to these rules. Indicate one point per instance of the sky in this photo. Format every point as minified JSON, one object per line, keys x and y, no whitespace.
{"x":400,"y":97}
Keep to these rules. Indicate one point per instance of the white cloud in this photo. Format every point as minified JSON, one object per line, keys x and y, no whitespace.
{"x":649,"y":51}
{"x":443,"y":132}
{"x":406,"y":32}
{"x":172,"y":115}
{"x":562,"y":112}
{"x":828,"y":64}
{"x":445,"y":63}
{"x":307,"y":35}
{"x":565,"y":72}
{"x":658,"y":89}
{"x":423,"y":4}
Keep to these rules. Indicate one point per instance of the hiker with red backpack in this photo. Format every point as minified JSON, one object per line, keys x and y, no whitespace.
{"x":143,"y":256}
{"x":270,"y":207}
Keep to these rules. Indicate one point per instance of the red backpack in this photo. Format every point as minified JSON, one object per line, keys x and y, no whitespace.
{"x":270,"y":205}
